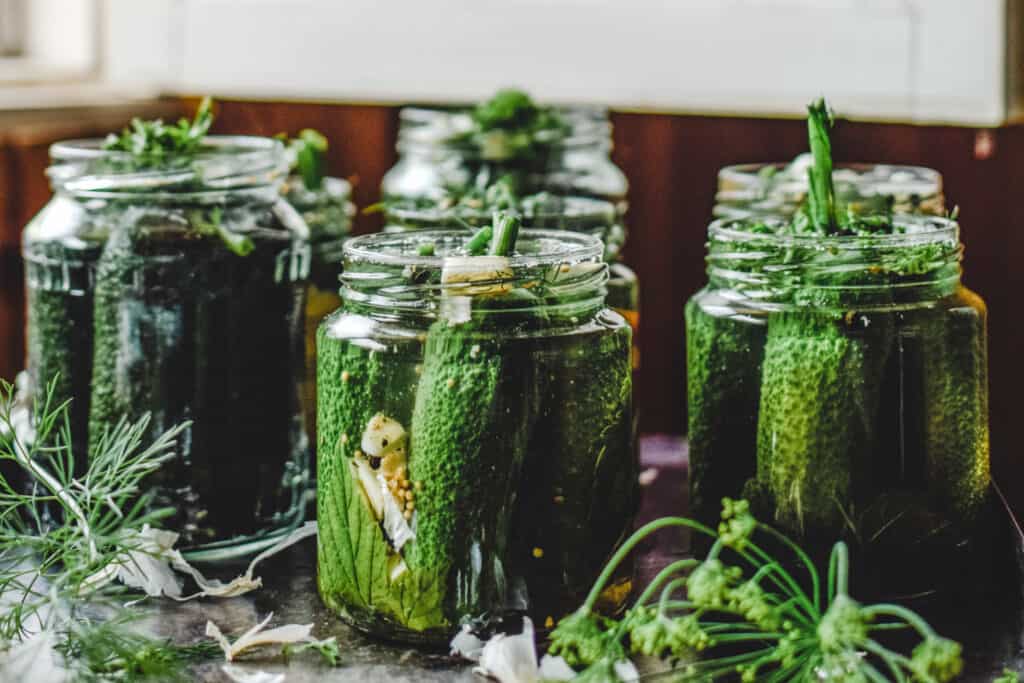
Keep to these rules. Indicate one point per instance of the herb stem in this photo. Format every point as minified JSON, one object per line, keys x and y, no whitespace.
{"x":887,"y":656}
{"x":799,"y":552}
{"x":660,"y":578}
{"x":916,"y":622}
{"x":627,"y":547}
{"x":838,"y":570}
{"x":666,"y":594}
{"x":23,"y":457}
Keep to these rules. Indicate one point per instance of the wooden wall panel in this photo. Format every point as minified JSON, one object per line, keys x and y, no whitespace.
{"x":362,"y":139}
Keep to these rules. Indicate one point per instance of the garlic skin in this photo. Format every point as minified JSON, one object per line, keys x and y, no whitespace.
{"x":493,"y":272}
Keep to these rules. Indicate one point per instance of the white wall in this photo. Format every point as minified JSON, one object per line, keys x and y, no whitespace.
{"x":917,"y":60}
{"x":62,"y":34}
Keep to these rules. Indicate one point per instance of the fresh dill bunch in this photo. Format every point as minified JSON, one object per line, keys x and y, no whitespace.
{"x":66,"y":529}
{"x":112,"y":649}
{"x":154,"y":143}
{"x":753,"y":619}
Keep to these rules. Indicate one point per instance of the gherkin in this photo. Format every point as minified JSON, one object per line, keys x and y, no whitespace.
{"x":723,"y":385}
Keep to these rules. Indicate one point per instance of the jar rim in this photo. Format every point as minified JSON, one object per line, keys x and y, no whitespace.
{"x":916,"y":230}
{"x":223,"y":162}
{"x":400,"y":249}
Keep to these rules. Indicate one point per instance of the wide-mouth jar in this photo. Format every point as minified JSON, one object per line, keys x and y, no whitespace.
{"x":474,"y":431}
{"x":437,"y":153}
{"x":175,"y":287}
{"x":780,"y":189}
{"x":840,"y":384}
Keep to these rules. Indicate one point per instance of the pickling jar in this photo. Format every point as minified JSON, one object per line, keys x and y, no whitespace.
{"x":434,"y":157}
{"x":177,"y":289}
{"x":474,"y":432}
{"x":780,"y":189}
{"x":840,"y":384}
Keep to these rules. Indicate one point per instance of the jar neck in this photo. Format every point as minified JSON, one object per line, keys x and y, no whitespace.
{"x":544,"y":211}
{"x":916,"y":265}
{"x":553,"y":277}
{"x":225,"y":168}
{"x":440,"y":133}
{"x":747,"y":189}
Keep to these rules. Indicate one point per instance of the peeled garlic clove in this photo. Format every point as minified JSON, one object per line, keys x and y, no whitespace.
{"x":381,"y":435}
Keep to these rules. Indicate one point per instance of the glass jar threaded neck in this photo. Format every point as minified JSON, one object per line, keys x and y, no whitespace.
{"x":918,"y":263}
{"x":551,"y":273}
{"x":249,"y":165}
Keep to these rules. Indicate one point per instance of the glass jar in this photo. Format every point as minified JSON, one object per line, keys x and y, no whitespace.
{"x":474,"y":432}
{"x":840,"y":384}
{"x":328,"y":212}
{"x":779,"y":189}
{"x":177,"y":290}
{"x":434,"y":158}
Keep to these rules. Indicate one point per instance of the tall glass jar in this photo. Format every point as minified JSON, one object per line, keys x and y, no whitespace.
{"x":177,"y":290}
{"x":780,"y":189}
{"x":328,"y":212}
{"x":840,"y":384}
{"x":434,"y":158}
{"x":474,"y":432}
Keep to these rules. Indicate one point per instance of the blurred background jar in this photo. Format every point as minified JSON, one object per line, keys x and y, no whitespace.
{"x":325,"y":204}
{"x":475,"y":431}
{"x":780,"y":189}
{"x":566,"y":152}
{"x":176,"y":287}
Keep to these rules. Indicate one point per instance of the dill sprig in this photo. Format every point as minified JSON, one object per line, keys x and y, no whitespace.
{"x":66,"y":529}
{"x":155,"y":142}
{"x":749,"y":617}
{"x":112,"y":649}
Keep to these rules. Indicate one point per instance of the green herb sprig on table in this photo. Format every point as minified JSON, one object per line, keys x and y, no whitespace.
{"x":155,"y":142}
{"x":45,"y":567}
{"x":741,"y":612}
{"x":111,"y":650}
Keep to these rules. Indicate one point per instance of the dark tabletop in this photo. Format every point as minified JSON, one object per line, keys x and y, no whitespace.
{"x":290,"y":593}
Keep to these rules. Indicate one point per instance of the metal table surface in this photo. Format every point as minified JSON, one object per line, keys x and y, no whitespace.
{"x":290,"y":593}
